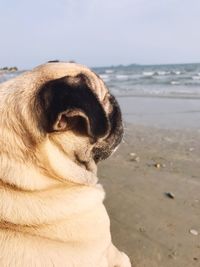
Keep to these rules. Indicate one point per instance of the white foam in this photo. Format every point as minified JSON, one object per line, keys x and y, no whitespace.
{"x":196,"y":77}
{"x":161,"y":73}
{"x":108,"y":71}
{"x":175,"y":82}
{"x":105,"y":77}
{"x":148,"y":73}
{"x":177,"y":72}
{"x":122,"y":77}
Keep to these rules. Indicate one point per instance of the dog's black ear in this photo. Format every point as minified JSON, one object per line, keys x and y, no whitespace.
{"x":69,"y":103}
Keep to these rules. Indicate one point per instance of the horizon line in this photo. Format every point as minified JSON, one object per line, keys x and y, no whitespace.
{"x":111,"y":66}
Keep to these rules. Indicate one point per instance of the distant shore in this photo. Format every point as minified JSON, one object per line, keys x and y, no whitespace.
{"x":8,"y":69}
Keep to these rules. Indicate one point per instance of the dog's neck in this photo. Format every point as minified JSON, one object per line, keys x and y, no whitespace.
{"x":30,"y":176}
{"x":40,"y":189}
{"x":55,"y":159}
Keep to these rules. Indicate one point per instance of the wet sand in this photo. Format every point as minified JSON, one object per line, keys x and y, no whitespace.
{"x":146,"y":223}
{"x":163,"y":112}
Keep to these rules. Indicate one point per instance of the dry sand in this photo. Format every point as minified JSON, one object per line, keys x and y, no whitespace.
{"x":152,"y":228}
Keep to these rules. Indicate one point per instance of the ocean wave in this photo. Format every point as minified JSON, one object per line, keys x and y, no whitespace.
{"x":122,"y":77}
{"x":162,"y":73}
{"x":196,"y":77}
{"x":155,"y":73}
{"x":176,"y":72}
{"x":148,"y":73}
{"x":105,"y":77}
{"x":109,"y":71}
{"x":4,"y":76}
{"x":175,"y":82}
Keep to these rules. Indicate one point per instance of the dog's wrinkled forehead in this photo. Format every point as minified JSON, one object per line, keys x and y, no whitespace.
{"x":58,"y":70}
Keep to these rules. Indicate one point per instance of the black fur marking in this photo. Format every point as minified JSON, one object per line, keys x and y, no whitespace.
{"x":71,"y":93}
{"x":114,"y":138}
{"x":53,"y":61}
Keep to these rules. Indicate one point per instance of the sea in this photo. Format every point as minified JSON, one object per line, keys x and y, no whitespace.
{"x":162,"y":96}
{"x":158,"y":95}
{"x":181,"y":80}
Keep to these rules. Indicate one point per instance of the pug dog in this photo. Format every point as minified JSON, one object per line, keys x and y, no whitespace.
{"x":56,"y":123}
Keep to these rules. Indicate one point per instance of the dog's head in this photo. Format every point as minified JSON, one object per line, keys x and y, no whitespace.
{"x":68,"y":105}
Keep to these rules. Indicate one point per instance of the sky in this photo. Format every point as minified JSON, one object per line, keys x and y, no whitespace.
{"x":99,"y":32}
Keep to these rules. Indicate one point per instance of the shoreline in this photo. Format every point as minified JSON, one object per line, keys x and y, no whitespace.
{"x":152,"y":228}
{"x":166,"y":113}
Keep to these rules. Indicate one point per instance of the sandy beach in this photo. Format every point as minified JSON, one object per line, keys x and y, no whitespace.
{"x":152,"y":184}
{"x":148,"y":55}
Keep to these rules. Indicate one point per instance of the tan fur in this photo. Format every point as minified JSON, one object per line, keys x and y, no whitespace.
{"x":51,"y":206}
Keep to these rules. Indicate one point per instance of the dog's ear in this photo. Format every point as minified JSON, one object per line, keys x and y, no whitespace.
{"x":69,"y":103}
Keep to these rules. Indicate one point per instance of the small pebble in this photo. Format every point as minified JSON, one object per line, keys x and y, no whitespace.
{"x":142,"y":230}
{"x":173,"y":255}
{"x":157,"y":165}
{"x":193,"y":232}
{"x":134,"y":157}
{"x":132,"y":154}
{"x":137,"y":159}
{"x":195,"y":259}
{"x":170,"y":195}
